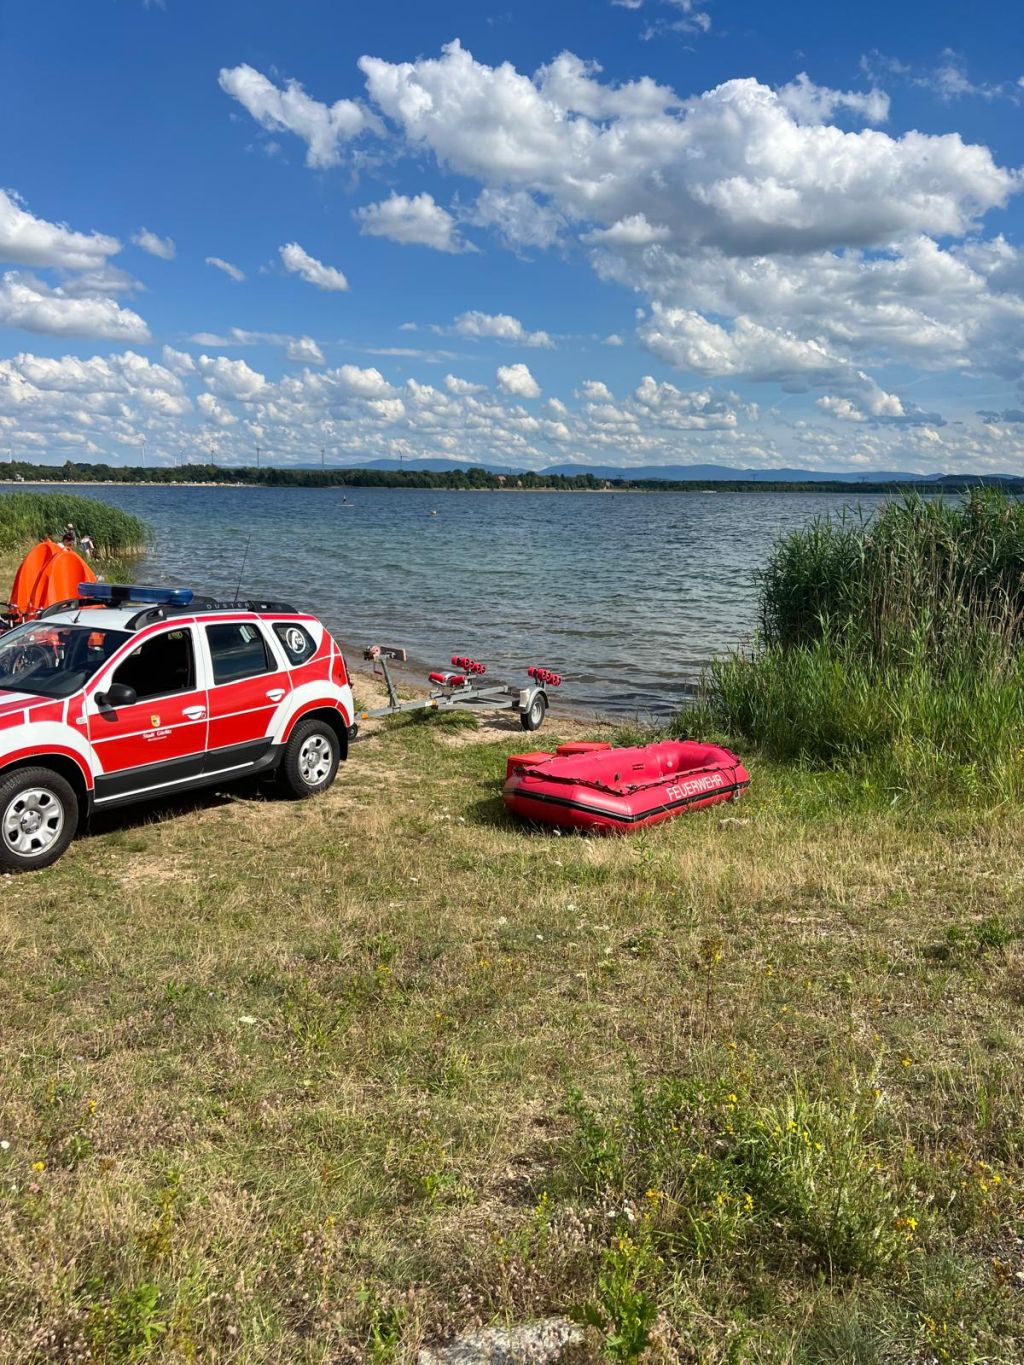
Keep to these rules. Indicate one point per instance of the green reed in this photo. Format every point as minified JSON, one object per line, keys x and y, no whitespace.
{"x":891,"y":644}
{"x":29,"y":517}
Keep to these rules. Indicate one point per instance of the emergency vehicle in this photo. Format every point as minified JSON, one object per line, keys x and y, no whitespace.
{"x":130,"y":693}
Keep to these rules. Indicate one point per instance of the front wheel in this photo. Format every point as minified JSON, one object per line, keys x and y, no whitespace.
{"x":533,"y":717}
{"x":311,"y":758}
{"x":38,"y":818}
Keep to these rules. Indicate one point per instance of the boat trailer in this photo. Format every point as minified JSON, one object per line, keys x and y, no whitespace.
{"x":462,"y":690}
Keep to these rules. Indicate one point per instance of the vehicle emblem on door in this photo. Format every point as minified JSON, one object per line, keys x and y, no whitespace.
{"x":154,"y":721}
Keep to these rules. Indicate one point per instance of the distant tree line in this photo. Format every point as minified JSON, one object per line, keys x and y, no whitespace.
{"x":472,"y":477}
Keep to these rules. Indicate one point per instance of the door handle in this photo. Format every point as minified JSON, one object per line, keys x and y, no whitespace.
{"x":195,"y":712}
{"x":275,"y":694}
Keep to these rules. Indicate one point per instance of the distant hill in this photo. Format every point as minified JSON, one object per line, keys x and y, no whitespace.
{"x":716,"y":473}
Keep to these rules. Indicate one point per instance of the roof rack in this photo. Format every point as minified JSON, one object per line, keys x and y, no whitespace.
{"x":149,"y":615}
{"x":160,"y":602}
{"x":69,"y":604}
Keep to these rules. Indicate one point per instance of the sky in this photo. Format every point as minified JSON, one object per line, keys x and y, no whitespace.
{"x":595,"y":232}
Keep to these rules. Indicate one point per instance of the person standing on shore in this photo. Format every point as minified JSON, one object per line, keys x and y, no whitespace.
{"x":86,"y":545}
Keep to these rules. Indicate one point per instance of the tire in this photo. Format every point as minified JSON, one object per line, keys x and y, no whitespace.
{"x":533,"y":717}
{"x":310,"y":762}
{"x":38,"y":818}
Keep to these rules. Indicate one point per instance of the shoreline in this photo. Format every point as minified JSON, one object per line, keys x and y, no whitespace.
{"x":696,"y":487}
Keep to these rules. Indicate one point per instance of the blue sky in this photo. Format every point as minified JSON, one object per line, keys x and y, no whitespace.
{"x":644,"y":232}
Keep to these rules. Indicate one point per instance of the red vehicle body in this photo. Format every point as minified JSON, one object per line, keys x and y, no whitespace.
{"x":105,"y":705}
{"x":613,"y":791}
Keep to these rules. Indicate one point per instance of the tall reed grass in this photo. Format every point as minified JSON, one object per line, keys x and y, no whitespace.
{"x":892,"y":644}
{"x":29,"y":517}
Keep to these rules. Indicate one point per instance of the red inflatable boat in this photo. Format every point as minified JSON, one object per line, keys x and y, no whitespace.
{"x":596,"y":787}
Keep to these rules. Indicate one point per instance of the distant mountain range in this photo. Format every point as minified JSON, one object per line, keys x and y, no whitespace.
{"x":686,"y":473}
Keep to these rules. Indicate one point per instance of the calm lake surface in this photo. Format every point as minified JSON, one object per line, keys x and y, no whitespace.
{"x":628,"y":594}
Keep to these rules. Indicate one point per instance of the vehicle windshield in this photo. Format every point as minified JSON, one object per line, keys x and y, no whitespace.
{"x":54,"y":660}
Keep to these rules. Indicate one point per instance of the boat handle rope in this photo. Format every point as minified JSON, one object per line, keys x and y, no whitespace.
{"x":631,"y":787}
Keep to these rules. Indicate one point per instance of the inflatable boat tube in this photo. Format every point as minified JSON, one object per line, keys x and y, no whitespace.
{"x":618,"y":790}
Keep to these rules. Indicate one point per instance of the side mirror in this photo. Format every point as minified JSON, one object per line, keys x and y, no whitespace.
{"x":117,"y":694}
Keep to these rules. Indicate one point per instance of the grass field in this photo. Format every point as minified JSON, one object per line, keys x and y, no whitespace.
{"x":321,"y":1082}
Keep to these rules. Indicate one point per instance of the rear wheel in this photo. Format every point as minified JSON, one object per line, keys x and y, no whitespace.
{"x":311,"y":758}
{"x":533,"y":717}
{"x":38,"y":818}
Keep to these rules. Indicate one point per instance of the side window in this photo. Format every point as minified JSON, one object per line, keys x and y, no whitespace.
{"x":238,"y":651}
{"x":296,"y":641}
{"x":160,"y":666}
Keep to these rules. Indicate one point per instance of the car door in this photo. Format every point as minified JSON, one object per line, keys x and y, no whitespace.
{"x":159,"y":741}
{"x":247,"y":685}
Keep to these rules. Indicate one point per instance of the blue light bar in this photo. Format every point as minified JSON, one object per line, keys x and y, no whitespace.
{"x":132,"y":592}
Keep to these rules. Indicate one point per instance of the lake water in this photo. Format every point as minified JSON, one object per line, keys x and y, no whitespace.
{"x":628,"y":594}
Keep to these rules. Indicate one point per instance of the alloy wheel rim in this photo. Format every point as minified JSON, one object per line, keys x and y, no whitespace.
{"x":315,"y":760}
{"x":33,"y":821}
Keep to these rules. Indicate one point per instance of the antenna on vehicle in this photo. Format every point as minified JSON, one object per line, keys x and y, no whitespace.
{"x":241,"y":569}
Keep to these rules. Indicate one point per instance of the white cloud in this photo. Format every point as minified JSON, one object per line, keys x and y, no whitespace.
{"x":179,"y":362}
{"x":876,"y":404}
{"x":613,"y":339}
{"x":324,"y":128}
{"x":948,"y":79}
{"x":810,"y":103}
{"x":103,"y":406}
{"x":415,"y":220}
{"x":27,"y":240}
{"x":732,"y":169}
{"x":29,"y":304}
{"x":53,"y":406}
{"x":387,"y":409}
{"x":572,"y":85}
{"x":300,"y":350}
{"x":634,"y":230}
{"x":518,"y":218}
{"x":501,"y":326}
{"x":743,"y":204}
{"x":301,"y":263}
{"x":231,"y":270}
{"x":685,"y":16}
{"x":462,"y":387}
{"x":105,"y":280}
{"x":231,"y":379}
{"x":156,"y":246}
{"x":305,"y":351}
{"x":689,"y":341}
{"x":361,"y":383}
{"x":517,"y":380}
{"x":214,"y":411}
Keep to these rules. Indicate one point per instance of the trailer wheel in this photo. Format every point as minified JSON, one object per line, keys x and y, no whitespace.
{"x":533,"y":717}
